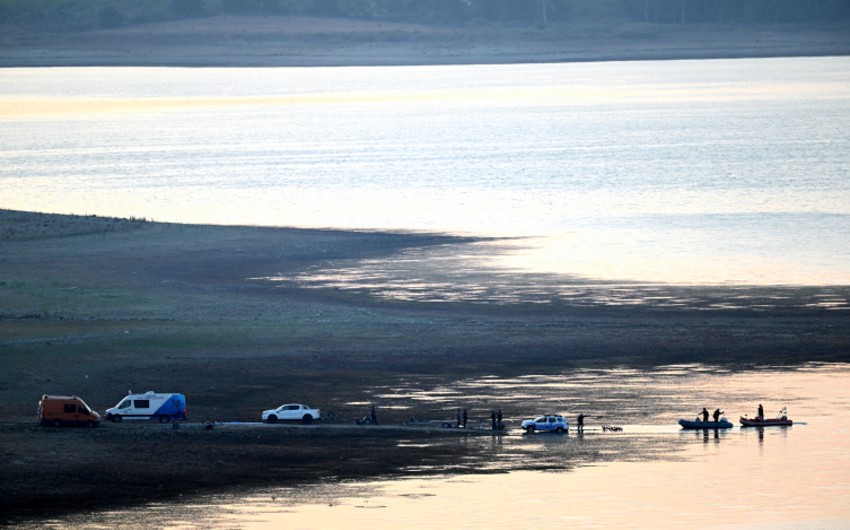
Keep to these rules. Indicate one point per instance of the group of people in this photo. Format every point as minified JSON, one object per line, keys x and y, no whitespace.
{"x":716,"y":415}
{"x":461,"y":418}
{"x":496,"y":420}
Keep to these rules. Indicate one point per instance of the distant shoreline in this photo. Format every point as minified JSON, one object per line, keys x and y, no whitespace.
{"x":245,"y":41}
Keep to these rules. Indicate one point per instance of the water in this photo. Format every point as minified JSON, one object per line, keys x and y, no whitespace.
{"x":652,"y":474}
{"x":726,"y":171}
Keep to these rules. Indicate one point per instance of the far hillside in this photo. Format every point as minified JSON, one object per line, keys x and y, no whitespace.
{"x":74,"y":15}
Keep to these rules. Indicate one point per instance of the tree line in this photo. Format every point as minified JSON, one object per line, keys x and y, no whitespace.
{"x":74,"y":15}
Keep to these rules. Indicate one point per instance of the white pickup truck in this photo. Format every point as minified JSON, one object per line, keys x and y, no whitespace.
{"x":291,"y":412}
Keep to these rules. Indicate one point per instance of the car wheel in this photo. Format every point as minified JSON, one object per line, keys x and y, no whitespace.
{"x":90,"y":424}
{"x":530,"y":429}
{"x":559,"y":430}
{"x":307,"y":419}
{"x":272,"y":419}
{"x":57,"y":423}
{"x":165,"y":418}
{"x":116,"y":419}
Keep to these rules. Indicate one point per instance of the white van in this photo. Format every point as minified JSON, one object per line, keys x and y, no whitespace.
{"x":150,"y":405}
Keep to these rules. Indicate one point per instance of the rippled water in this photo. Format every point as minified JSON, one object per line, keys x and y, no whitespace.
{"x":725,"y":171}
{"x":650,"y":474}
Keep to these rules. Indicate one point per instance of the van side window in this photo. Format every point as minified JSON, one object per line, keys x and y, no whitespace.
{"x":70,"y":407}
{"x":142,"y":403}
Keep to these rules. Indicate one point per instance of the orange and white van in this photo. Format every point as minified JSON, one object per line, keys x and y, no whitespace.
{"x":66,"y":410}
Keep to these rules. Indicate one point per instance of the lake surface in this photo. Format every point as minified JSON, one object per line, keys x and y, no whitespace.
{"x":652,"y":474}
{"x":720,"y":171}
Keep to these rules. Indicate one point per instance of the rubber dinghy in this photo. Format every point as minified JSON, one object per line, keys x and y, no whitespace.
{"x":766,"y":422}
{"x":699,"y":424}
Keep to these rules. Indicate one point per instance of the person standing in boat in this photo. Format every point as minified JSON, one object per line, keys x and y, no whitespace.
{"x":717,"y":413}
{"x":704,"y":414}
{"x":761,"y":412}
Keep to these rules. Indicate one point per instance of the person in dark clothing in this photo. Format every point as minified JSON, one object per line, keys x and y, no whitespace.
{"x":373,"y":416}
{"x":465,"y":417}
{"x":493,"y":419}
{"x":717,"y":414}
{"x":457,"y":417}
{"x":761,"y":412}
{"x":499,"y":423}
{"x":580,"y":422}
{"x":704,"y":414}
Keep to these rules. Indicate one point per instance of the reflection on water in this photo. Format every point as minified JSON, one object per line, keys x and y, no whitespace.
{"x":481,"y":273}
{"x":659,"y":171}
{"x":652,"y":474}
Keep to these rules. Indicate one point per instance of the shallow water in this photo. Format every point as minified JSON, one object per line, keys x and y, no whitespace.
{"x":481,"y":273}
{"x":722,"y":171}
{"x":650,"y":474}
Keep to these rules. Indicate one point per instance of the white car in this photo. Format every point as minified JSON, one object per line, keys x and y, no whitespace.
{"x":547,"y":423}
{"x":292,"y":412}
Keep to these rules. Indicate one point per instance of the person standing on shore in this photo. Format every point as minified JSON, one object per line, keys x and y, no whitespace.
{"x":499,"y":423}
{"x":580,"y":422}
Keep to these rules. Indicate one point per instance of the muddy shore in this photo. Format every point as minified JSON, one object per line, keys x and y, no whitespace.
{"x":98,"y":467}
{"x":96,"y":306}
